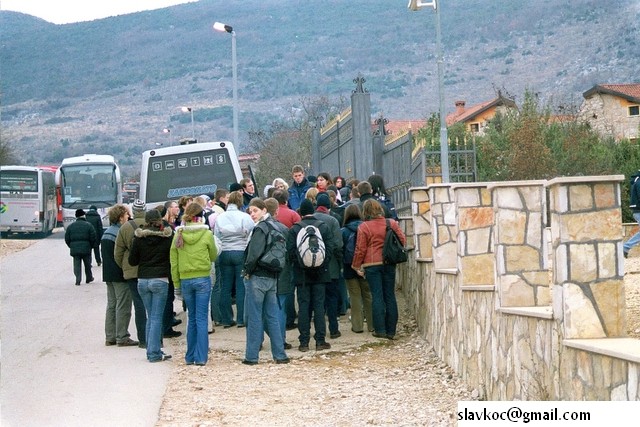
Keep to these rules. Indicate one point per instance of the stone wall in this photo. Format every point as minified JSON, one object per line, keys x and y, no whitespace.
{"x":516,"y":314}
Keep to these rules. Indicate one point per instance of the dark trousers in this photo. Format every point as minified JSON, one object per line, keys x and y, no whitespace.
{"x":96,"y":253}
{"x":311,"y":298}
{"x":139,"y":311}
{"x":332,"y":299}
{"x":77,"y":267}
{"x":167,"y":315}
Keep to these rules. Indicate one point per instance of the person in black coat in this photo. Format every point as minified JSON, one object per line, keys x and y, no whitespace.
{"x":93,"y":218}
{"x":81,"y":238}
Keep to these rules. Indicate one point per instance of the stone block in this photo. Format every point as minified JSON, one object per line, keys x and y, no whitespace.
{"x":421,"y":224}
{"x":607,"y":257}
{"x":515,"y":292}
{"x":467,"y":197}
{"x":583,"y":263}
{"x":449,"y":213}
{"x":580,"y":198}
{"x":522,"y":258}
{"x":420,"y":195}
{"x":580,"y":316}
{"x":444,"y":235}
{"x":471,"y":218}
{"x":534,"y":197}
{"x":477,"y":270}
{"x":507,"y":198}
{"x":605,"y":195}
{"x":511,"y":227}
{"x":611,"y":304}
{"x":535,"y":230}
{"x":589,"y":226}
{"x":478,"y":241}
{"x":423,"y":208}
{"x":425,"y":246}
{"x":485,"y":197}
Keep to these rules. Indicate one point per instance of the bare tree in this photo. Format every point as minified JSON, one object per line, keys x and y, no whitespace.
{"x":7,"y":153}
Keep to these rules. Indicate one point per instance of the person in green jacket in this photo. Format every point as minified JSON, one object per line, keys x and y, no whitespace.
{"x":192,"y":251}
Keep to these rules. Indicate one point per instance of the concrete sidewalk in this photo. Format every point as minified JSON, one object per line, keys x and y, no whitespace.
{"x":56,"y":370}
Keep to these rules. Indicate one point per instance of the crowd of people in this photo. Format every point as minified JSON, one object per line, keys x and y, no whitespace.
{"x":305,"y":252}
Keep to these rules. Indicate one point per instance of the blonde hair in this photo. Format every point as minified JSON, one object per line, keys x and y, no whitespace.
{"x":193,"y":211}
{"x":280,"y":181}
{"x":311,"y":195}
{"x":201,"y":201}
{"x":372,"y":209}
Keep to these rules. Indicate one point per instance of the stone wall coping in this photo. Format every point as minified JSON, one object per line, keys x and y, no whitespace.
{"x":545,"y":312}
{"x":424,"y":259}
{"x":620,"y":348}
{"x":419,"y":188}
{"x":452,"y":271}
{"x":479,"y":288}
{"x":469,"y":185}
{"x":584,"y":179}
{"x":501,"y":184}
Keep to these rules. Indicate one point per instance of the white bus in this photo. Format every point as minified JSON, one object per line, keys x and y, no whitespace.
{"x":187,"y":170}
{"x":27,"y":200}
{"x":90,"y":179}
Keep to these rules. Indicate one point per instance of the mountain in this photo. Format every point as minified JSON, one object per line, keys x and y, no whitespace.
{"x":112,"y":85}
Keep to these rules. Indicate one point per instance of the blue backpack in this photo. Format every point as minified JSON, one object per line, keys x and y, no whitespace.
{"x":349,"y":247}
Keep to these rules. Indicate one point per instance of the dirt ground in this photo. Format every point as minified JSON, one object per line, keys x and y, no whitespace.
{"x":365,"y":385}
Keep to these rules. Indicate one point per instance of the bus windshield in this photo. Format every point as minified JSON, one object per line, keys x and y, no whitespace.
{"x":89,"y":184}
{"x":172,"y":175}
{"x":19,"y":181}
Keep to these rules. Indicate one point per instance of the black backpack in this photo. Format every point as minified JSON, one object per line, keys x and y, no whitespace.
{"x":275,"y":252}
{"x":349,"y":247}
{"x":393,"y":252}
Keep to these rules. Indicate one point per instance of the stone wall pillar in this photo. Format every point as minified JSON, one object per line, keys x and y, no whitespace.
{"x":475,"y":235}
{"x":421,"y":212}
{"x":522,"y":275}
{"x":443,"y":227}
{"x":588,"y":270}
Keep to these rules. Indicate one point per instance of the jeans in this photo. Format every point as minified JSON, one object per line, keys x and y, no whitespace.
{"x":216,"y":293}
{"x":77,"y":267}
{"x":139,"y":310}
{"x":311,"y":297}
{"x":118,"y":316}
{"x":197,"y":294}
{"x":360,"y":297}
{"x":382,"y":282}
{"x":344,"y":296}
{"x":332,"y":300}
{"x":290,"y":308}
{"x":261,"y":300}
{"x":231,"y":264}
{"x":635,"y":239}
{"x":282,"y":315}
{"x":154,"y":295}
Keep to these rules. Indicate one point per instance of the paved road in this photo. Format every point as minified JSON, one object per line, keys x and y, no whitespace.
{"x":55,"y":368}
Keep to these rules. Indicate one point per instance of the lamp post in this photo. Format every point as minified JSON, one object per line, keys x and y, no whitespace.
{"x":444,"y":143}
{"x":168,"y":132}
{"x":219,"y":26}
{"x":190,"y":110}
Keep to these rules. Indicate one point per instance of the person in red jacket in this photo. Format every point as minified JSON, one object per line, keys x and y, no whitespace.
{"x":367,"y":262}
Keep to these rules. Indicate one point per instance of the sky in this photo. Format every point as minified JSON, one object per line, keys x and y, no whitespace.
{"x":67,"y":11}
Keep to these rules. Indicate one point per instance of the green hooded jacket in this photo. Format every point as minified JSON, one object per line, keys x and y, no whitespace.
{"x":192,"y":251}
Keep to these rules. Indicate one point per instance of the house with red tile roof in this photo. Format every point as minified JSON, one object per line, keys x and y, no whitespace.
{"x":477,"y":117}
{"x":613,"y":109}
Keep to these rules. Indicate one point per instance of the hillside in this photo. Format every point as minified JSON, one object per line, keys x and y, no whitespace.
{"x":112,"y":85}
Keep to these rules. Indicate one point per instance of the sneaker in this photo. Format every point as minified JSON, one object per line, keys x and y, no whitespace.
{"x":213,"y":330}
{"x":177,"y":322}
{"x":626,"y":254}
{"x":89,"y":280}
{"x":77,"y":283}
{"x":391,"y":337}
{"x":142,"y":345}
{"x":230,"y":325}
{"x":287,"y":346}
{"x":283,"y":361}
{"x":199,"y":363}
{"x":336,"y":335}
{"x":249,"y":362}
{"x":241,"y":325}
{"x":128,"y":343}
{"x":357,"y":332}
{"x":323,"y":346}
{"x":161,"y":359}
{"x":292,"y":326}
{"x":303,"y":348}
{"x":377,"y":335}
{"x":108,"y":343}
{"x":171,"y":334}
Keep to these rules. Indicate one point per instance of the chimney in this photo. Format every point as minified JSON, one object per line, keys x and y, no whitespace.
{"x":459,"y":107}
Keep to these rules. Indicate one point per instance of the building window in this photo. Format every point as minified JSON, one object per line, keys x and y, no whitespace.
{"x":634,"y":110}
{"x":475,"y":127}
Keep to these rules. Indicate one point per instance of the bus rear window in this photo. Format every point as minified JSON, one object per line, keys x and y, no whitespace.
{"x":19,"y":181}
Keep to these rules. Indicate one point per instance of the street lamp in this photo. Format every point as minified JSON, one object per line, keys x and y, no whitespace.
{"x":190,"y":110}
{"x":444,"y":143}
{"x":219,"y":26}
